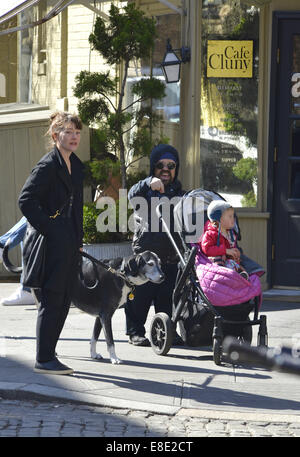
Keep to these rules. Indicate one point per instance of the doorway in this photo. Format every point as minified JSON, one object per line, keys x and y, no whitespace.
{"x":285,"y":233}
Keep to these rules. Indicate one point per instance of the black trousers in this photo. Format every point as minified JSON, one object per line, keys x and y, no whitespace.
{"x":160,"y":295}
{"x":55,"y":301}
{"x":52,"y":313}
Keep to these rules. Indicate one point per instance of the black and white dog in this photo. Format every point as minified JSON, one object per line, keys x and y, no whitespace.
{"x":104,"y":287}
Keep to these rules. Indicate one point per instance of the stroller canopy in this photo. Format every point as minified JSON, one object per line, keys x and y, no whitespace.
{"x":190,"y":214}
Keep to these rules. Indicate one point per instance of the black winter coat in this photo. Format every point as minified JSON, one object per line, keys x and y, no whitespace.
{"x":47,"y":189}
{"x":144,"y":237}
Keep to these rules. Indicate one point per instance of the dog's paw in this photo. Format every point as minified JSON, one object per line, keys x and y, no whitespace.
{"x":96,"y":356}
{"x":115,"y":361}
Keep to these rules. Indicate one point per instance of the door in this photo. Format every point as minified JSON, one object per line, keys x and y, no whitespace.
{"x":286,"y":177}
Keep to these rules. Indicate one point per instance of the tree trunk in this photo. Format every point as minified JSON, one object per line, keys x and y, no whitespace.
{"x":122,"y":162}
{"x":120,"y":133}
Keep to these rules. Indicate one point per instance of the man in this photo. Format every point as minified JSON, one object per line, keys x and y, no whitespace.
{"x":162,"y":181}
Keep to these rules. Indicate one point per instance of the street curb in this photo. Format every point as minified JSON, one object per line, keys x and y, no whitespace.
{"x":18,"y":391}
{"x":36,"y":392}
{"x":282,"y":295}
{"x":239,"y":416}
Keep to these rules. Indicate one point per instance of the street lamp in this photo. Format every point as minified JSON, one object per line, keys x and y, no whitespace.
{"x":171,"y":63}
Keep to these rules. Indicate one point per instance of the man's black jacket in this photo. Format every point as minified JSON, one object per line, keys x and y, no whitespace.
{"x":146,"y":236}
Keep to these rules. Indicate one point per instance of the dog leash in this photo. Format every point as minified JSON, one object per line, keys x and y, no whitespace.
{"x":113,"y":271}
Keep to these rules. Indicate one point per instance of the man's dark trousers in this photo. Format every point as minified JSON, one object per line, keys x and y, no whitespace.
{"x":160,"y":295}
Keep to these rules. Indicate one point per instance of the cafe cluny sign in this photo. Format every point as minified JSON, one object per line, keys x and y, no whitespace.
{"x":229,"y":59}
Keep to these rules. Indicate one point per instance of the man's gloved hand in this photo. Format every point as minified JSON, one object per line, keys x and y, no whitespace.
{"x":157,"y":184}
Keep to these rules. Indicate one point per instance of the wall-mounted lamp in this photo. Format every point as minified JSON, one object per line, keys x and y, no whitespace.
{"x":171,"y":63}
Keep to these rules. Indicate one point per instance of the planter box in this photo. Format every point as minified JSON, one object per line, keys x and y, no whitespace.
{"x":108,"y":250}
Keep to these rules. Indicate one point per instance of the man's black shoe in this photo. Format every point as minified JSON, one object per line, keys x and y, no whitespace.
{"x":137,"y":340}
{"x":52,"y":367}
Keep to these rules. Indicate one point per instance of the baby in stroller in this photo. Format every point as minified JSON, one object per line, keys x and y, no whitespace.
{"x":210,"y":301}
{"x":219,"y":241}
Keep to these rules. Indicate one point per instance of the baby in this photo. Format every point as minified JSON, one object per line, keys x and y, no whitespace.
{"x":219,"y":241}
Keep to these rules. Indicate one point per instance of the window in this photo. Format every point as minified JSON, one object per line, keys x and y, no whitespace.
{"x":8,"y":64}
{"x":2,"y":85}
{"x":25,"y":57}
{"x":168,"y":26}
{"x":17,"y":50}
{"x":229,"y":100}
{"x":168,"y":109}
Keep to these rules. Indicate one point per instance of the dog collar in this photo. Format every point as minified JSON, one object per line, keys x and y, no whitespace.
{"x":128,"y":284}
{"x":123,"y":276}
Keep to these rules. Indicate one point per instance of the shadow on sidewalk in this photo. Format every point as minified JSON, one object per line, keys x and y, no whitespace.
{"x":272,"y":305}
{"x":18,"y":381}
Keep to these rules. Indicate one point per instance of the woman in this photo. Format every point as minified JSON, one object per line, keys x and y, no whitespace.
{"x":51,"y":200}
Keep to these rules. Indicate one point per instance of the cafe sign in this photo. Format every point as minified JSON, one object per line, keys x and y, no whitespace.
{"x":229,"y":59}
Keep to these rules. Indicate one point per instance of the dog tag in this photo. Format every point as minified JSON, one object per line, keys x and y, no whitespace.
{"x":131,"y":296}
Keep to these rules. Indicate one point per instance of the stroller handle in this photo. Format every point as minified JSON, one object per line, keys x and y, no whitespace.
{"x":282,"y":359}
{"x":166,"y":228}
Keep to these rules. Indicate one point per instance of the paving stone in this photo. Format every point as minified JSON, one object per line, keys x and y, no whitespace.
{"x":211,"y":426}
{"x":197,"y":433}
{"x":239,"y":433}
{"x":195,"y":427}
{"x":28,"y":433}
{"x":90,"y":434}
{"x":25,"y":419}
{"x":176,"y":434}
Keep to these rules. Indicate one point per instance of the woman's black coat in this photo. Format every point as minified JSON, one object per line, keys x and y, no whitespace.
{"x":46,"y":190}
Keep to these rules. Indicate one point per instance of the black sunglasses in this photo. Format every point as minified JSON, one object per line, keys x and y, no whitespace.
{"x":161,"y":165}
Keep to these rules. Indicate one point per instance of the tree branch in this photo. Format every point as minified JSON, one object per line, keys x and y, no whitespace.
{"x":133,"y":103}
{"x":133,"y":161}
{"x":121,"y":95}
{"x":130,"y":128}
{"x":108,"y":99}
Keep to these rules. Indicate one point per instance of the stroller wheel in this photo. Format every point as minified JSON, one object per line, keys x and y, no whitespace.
{"x":161,"y":333}
{"x":262,"y":337}
{"x":217,"y":351}
{"x":217,"y":340}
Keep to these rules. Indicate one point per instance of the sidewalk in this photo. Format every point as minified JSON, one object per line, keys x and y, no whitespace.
{"x":185,"y":382}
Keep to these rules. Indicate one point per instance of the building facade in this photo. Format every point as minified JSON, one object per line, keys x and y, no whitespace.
{"x":239,"y":119}
{"x":234,"y":115}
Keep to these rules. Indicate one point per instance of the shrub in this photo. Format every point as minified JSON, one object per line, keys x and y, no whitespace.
{"x":91,"y":234}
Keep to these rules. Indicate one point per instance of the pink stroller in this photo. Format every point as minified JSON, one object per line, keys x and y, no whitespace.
{"x":209,"y":301}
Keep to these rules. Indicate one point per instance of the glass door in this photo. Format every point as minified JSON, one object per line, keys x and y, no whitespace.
{"x":286,"y":185}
